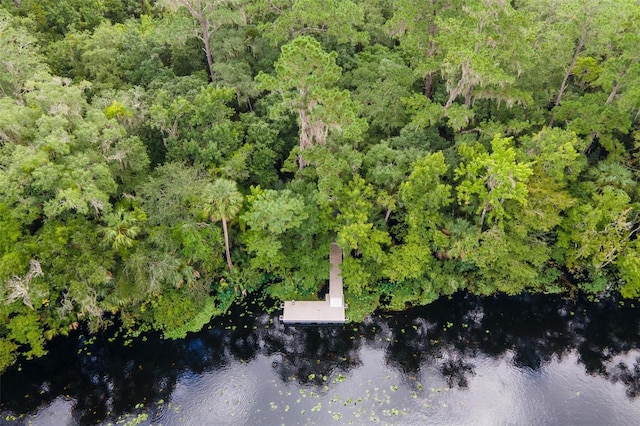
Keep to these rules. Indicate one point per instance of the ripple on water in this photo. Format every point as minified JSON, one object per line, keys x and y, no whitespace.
{"x":225,"y":396}
{"x":56,"y":413}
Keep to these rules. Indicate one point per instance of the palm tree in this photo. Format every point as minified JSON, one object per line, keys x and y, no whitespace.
{"x":223,"y":202}
{"x":612,"y":173}
{"x":121,"y":230}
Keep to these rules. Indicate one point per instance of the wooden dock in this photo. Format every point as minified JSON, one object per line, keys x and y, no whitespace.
{"x":328,"y":311}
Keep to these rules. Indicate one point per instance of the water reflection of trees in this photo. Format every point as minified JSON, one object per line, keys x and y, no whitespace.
{"x":109,"y":379}
{"x":311,"y":355}
{"x":534,"y":330}
{"x":450,"y":334}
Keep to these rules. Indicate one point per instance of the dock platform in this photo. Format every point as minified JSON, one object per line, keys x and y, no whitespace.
{"x":328,"y":311}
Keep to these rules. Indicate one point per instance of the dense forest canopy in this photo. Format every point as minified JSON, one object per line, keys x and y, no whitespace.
{"x":160,"y":159}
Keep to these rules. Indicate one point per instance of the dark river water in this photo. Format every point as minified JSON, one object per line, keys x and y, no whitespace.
{"x":538,"y":360}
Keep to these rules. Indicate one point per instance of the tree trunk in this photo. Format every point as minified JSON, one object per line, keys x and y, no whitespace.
{"x":197,"y":11}
{"x":563,"y":86}
{"x":207,"y":47}
{"x":305,"y":138}
{"x":226,"y":243}
{"x":311,"y":132}
{"x":428,"y":83}
{"x":467,"y":98}
{"x":387,"y":215}
{"x":612,"y":94}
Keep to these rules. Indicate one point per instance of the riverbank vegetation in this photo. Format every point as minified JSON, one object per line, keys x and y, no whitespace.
{"x":159,"y":159}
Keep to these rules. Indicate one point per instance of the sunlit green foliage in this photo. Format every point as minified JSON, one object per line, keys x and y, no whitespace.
{"x":489,"y":180}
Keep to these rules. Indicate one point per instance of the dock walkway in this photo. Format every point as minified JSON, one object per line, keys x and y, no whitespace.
{"x":328,"y":311}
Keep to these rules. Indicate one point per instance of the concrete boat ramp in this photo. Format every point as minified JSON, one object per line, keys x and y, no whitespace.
{"x":328,"y":311}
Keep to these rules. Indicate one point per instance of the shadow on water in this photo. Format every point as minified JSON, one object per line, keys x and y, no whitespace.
{"x":107,"y":379}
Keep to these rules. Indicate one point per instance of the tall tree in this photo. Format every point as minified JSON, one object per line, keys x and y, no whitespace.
{"x":484,"y":61}
{"x":210,"y":15}
{"x":223,"y":202}
{"x":414,"y":24}
{"x":606,"y":79}
{"x":305,"y":78}
{"x":586,"y":27}
{"x":380,"y":80}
